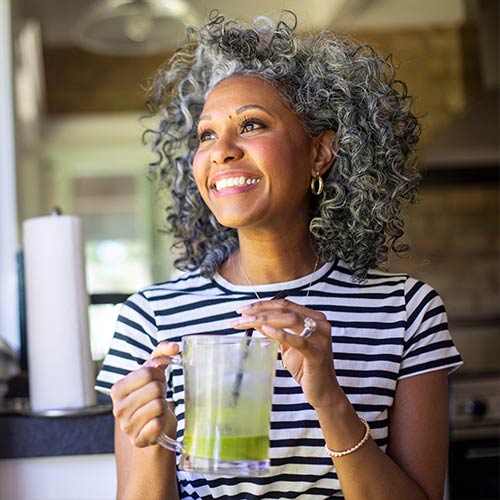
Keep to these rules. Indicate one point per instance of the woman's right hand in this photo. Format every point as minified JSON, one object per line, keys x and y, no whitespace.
{"x":139,"y":403}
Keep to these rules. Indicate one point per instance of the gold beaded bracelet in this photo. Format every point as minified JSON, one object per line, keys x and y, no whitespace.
{"x":364,"y":439}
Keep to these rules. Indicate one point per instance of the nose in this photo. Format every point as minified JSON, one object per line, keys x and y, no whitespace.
{"x":225,"y":151}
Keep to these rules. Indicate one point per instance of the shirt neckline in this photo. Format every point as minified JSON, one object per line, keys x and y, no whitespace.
{"x":272,"y":288}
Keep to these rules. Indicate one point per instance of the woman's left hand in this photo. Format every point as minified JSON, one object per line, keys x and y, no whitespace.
{"x":308,"y":359}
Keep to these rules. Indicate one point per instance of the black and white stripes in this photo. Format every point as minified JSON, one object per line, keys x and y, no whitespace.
{"x":387,"y":328}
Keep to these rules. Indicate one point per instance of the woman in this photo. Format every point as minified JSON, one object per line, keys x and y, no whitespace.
{"x":289,"y":160}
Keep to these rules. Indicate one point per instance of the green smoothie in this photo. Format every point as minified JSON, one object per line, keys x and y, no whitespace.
{"x":228,"y":447}
{"x":228,"y":433}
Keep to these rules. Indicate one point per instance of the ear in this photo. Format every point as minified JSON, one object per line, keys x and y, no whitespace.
{"x":325,"y":150}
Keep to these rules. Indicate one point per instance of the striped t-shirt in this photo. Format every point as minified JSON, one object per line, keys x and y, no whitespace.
{"x":384,"y":329}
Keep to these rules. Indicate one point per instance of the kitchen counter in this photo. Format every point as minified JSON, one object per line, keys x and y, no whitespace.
{"x":24,"y":436}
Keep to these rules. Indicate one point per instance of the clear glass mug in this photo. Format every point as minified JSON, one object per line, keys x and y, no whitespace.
{"x":228,"y":388}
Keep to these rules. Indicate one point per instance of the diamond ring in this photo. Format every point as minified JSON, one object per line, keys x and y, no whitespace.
{"x":309,"y":326}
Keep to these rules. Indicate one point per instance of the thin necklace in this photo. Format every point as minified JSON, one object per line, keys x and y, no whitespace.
{"x":260,"y":298}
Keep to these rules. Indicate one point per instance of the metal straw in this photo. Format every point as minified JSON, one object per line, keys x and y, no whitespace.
{"x":235,"y":394}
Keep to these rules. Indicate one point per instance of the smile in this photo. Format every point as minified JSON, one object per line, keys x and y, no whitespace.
{"x":232,"y":182}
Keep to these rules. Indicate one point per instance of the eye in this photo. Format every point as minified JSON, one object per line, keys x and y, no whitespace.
{"x":251,"y":124}
{"x":206,"y":135}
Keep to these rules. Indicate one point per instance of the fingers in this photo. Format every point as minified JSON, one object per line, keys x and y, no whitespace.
{"x":143,"y":425}
{"x":152,"y":369}
{"x":150,"y":431}
{"x":279,"y":304}
{"x":139,"y":404}
{"x":142,"y":412}
{"x":284,"y":321}
{"x":165,"y":349}
{"x":281,"y":315}
{"x":285,"y":338}
{"x":135,"y":380}
{"x":160,"y":357}
{"x":125,"y":406}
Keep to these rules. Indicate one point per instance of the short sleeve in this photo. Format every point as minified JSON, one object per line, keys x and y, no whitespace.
{"x":134,"y":339}
{"x":428,"y":345}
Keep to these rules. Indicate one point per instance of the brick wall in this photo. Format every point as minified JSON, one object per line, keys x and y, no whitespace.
{"x":80,"y":82}
{"x":453,"y":232}
{"x":440,"y":66}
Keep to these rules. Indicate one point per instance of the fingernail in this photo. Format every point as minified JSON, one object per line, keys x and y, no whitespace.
{"x":243,"y":321}
{"x":243,"y":309}
{"x":268,"y":329}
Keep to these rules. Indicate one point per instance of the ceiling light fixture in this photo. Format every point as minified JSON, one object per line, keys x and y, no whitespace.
{"x":134,"y":27}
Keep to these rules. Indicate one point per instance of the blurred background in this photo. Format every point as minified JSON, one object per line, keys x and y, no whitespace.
{"x":78,"y":71}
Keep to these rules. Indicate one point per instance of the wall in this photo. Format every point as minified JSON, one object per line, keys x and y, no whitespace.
{"x":440,"y":66}
{"x":453,"y":232}
{"x":80,"y":82}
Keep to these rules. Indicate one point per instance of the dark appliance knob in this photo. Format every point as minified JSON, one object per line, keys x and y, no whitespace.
{"x":476,"y":407}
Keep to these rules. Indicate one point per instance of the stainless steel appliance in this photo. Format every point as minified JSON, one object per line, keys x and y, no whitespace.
{"x":474,"y":464}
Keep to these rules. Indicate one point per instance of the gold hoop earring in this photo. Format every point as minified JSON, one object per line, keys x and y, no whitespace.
{"x":317,"y":185}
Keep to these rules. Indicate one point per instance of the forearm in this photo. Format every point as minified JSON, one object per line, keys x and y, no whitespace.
{"x":145,"y":472}
{"x":368,"y":472}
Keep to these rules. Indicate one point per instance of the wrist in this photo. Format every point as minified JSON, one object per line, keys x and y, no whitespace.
{"x":342,"y":428}
{"x":332,"y":400}
{"x":352,"y":449}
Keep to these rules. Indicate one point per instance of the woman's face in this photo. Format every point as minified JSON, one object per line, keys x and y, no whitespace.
{"x":255,"y":159}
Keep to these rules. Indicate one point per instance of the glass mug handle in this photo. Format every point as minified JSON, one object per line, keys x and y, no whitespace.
{"x":163,"y":439}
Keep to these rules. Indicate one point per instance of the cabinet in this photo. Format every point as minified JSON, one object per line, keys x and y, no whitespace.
{"x":76,"y":477}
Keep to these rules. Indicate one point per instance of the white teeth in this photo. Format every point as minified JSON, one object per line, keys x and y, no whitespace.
{"x":235,"y":181}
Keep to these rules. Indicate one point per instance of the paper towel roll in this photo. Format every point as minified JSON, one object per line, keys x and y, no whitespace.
{"x":61,"y":373}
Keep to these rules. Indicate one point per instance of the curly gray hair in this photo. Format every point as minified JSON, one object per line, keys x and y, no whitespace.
{"x":332,"y":84}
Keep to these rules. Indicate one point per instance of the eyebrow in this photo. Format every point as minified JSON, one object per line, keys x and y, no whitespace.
{"x":240,"y":110}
